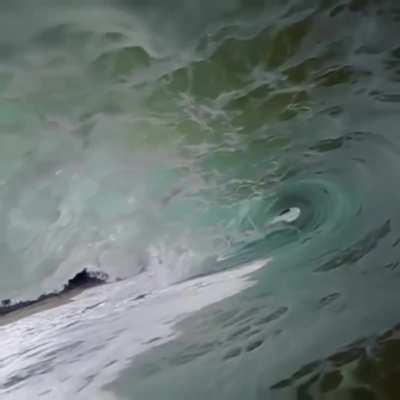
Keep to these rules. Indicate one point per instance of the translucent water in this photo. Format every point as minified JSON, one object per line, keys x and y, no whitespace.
{"x":173,"y":144}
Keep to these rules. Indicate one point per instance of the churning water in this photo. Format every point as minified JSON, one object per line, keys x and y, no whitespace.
{"x":237,"y":163}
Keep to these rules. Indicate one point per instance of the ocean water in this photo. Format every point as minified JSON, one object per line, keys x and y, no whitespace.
{"x":233,"y":166}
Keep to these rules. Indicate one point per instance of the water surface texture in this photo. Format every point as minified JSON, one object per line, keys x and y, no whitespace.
{"x":237,"y":163}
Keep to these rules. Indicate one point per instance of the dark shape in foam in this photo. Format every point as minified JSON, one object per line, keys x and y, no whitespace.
{"x":82,"y":280}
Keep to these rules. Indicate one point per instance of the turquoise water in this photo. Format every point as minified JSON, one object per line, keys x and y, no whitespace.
{"x":170,"y":142}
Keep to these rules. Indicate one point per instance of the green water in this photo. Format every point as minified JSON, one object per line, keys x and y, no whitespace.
{"x":169,"y":136}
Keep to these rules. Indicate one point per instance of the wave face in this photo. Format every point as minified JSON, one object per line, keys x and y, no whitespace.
{"x":184,"y":138}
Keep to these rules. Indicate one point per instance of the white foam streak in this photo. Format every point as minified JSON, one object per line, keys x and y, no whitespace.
{"x":77,"y":348}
